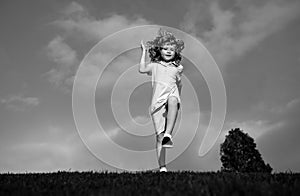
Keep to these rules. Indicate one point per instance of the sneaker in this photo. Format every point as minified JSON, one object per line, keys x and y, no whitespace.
{"x":167,"y":141}
{"x":163,"y":169}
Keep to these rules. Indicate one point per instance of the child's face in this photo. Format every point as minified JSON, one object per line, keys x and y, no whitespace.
{"x":168,"y":51}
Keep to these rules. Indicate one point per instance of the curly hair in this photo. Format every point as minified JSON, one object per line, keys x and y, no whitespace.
{"x":163,"y":37}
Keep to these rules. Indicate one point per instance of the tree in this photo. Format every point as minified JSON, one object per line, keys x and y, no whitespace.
{"x":239,"y":154}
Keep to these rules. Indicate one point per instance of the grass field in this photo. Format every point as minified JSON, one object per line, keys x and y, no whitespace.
{"x":149,"y":183}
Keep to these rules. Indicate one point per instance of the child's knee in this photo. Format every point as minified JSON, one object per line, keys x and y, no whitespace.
{"x":172,"y":101}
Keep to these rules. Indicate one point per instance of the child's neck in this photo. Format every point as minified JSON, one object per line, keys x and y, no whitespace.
{"x":170,"y":61}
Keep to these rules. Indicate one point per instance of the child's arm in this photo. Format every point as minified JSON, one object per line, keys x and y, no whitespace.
{"x":179,"y":82}
{"x":144,"y":68}
{"x":180,"y":87}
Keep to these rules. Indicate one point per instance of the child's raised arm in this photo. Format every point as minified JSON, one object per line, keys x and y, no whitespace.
{"x":144,"y":68}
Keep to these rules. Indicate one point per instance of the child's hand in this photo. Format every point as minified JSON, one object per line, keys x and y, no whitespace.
{"x":143,"y":47}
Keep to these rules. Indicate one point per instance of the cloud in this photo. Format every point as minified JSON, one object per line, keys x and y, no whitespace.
{"x":74,"y":8}
{"x":280,"y":145}
{"x":65,"y":59}
{"x":95,"y":62}
{"x":233,"y":32}
{"x":51,"y":149}
{"x":97,"y":138}
{"x":20,"y":103}
{"x":77,"y":23}
{"x":254,"y":128}
{"x":61,"y":53}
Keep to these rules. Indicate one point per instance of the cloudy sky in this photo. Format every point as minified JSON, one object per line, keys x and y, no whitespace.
{"x":255,"y":45}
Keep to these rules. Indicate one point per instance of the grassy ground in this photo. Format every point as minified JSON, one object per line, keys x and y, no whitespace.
{"x":149,"y":183}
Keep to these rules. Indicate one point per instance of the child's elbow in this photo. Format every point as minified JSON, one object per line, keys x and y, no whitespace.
{"x":141,"y":71}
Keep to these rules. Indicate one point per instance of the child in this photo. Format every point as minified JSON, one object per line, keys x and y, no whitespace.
{"x":166,"y":70}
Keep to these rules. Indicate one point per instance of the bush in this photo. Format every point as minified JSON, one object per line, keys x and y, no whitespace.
{"x":239,"y":154}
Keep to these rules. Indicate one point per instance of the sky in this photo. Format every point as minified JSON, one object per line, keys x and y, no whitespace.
{"x":42,"y":43}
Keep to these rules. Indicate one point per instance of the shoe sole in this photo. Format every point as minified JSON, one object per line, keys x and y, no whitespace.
{"x":167,"y":146}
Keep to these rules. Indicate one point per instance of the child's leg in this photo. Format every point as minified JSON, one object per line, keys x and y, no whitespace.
{"x":172,"y":114}
{"x":159,"y":120}
{"x":161,"y":152}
